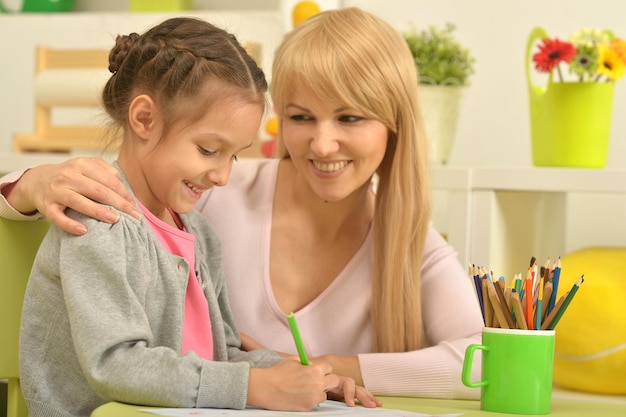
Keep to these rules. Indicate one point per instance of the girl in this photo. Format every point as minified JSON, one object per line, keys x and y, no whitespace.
{"x":138,"y":311}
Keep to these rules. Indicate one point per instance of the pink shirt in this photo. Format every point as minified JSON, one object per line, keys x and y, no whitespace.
{"x":337,"y":321}
{"x":197,"y":335}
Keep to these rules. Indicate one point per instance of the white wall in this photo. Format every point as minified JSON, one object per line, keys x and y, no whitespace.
{"x":494,"y":126}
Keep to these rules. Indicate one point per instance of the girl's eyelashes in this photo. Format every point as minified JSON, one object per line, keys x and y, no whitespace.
{"x":205,"y":152}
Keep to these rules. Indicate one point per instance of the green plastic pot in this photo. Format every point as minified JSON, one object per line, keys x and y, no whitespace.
{"x":570,"y":121}
{"x":37,"y":6}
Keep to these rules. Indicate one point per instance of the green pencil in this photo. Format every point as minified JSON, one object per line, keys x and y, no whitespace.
{"x":291,"y":318}
{"x":566,"y":302}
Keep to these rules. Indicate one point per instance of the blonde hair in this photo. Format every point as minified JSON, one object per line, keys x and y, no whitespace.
{"x":354,"y":58}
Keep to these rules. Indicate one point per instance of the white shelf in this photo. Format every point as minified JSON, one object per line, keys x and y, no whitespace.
{"x":499,"y":217}
{"x":550,"y":179}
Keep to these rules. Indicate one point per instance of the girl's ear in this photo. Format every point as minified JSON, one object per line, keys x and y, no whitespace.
{"x":143,"y":117}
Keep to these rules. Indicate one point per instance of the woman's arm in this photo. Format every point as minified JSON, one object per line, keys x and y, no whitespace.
{"x":452,"y":320}
{"x":77,"y":183}
{"x":347,"y":365}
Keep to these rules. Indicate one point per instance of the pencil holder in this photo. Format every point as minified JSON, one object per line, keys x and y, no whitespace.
{"x":516,"y":370}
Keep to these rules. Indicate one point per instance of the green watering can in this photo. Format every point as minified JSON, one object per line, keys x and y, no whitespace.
{"x":570,"y":121}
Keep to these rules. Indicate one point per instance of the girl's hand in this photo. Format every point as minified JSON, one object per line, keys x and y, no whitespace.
{"x":290,"y":386}
{"x":78,"y":184}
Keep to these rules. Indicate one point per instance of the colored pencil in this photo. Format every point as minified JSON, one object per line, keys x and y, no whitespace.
{"x":528,"y":296}
{"x":519,"y":312}
{"x":566,"y":303}
{"x":479,"y":289}
{"x":555,"y":284}
{"x":539,"y":309}
{"x":506,"y":309}
{"x":488,"y":308}
{"x":497,"y":307}
{"x":557,"y":306}
{"x":291,"y":318}
{"x":547,"y":294}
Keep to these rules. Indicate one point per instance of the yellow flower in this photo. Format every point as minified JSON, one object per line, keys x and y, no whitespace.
{"x":610,"y":64}
{"x":619,"y":46}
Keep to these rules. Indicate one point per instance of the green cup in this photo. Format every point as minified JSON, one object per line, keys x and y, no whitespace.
{"x":516,"y":370}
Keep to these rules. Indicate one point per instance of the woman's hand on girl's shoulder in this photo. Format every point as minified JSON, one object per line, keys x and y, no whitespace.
{"x":79,"y":184}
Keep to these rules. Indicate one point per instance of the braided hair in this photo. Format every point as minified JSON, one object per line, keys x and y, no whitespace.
{"x":171,"y":61}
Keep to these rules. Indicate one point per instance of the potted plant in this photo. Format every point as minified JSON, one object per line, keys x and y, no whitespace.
{"x":444,"y":67}
{"x":570,"y":114}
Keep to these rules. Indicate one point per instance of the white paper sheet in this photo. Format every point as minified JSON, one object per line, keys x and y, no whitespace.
{"x":328,"y":408}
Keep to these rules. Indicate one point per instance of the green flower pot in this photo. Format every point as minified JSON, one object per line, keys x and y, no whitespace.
{"x":37,"y":6}
{"x":570,"y":122}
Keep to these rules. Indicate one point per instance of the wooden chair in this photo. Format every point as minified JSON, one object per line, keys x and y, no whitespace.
{"x":70,"y":78}
{"x":74,"y":78}
{"x":19,"y":242}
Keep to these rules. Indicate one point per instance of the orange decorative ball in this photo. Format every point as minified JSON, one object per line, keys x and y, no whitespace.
{"x":271,"y":126}
{"x":303,"y":10}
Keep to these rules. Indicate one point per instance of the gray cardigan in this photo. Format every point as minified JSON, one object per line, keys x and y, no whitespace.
{"x":102,"y":321}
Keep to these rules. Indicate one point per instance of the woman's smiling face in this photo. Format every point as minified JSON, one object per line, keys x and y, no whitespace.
{"x":336,"y":149}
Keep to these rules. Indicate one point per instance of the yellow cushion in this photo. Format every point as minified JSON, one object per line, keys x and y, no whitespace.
{"x":590,"y":346}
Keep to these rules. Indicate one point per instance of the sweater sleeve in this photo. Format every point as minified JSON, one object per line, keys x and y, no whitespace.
{"x":452,"y":321}
{"x":6,"y":210}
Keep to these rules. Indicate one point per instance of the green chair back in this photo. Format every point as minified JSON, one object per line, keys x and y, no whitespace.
{"x":19,"y":241}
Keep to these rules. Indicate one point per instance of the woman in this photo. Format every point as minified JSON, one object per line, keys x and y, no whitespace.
{"x":377,"y":291}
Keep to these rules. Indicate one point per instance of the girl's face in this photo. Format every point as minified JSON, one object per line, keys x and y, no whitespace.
{"x":334,"y":148}
{"x":193,"y":157}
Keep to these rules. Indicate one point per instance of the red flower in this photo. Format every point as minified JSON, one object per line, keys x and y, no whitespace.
{"x":551,"y":52}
